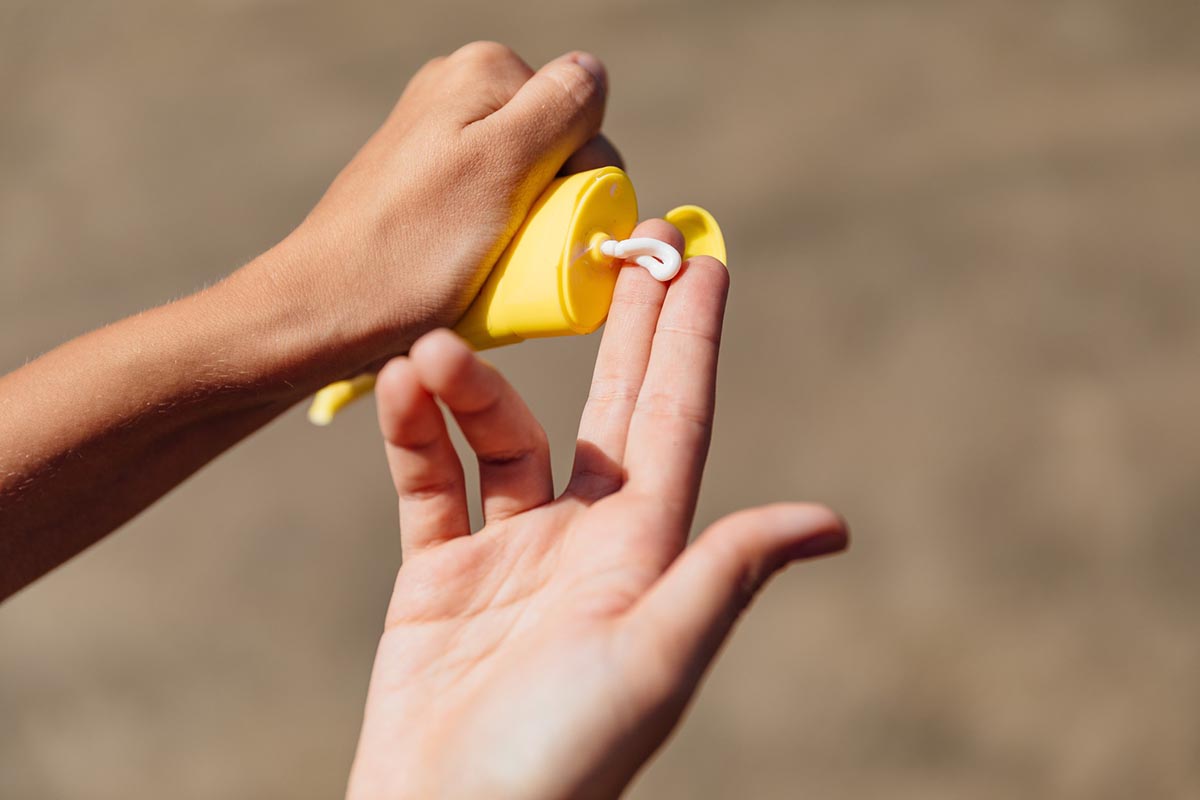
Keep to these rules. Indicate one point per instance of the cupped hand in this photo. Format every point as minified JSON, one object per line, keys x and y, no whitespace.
{"x":403,"y":238}
{"x":549,"y":654}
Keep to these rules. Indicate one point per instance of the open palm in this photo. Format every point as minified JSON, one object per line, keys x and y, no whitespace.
{"x":550,"y":653}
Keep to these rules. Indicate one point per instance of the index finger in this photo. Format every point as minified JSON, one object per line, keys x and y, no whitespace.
{"x":672,"y":420}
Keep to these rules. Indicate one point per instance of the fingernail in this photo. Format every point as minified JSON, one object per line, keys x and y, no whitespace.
{"x":592,"y":65}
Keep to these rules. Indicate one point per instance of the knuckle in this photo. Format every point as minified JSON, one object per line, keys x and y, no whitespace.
{"x":712,"y":337}
{"x":498,"y":459}
{"x":530,"y":443}
{"x":432,"y":64}
{"x":426,"y":71}
{"x":577,"y":87}
{"x":485,"y":53}
{"x":662,"y":405}
{"x":428,"y":489}
{"x":616,"y":389}
{"x":401,"y":434}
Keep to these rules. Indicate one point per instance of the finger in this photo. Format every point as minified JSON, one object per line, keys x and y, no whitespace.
{"x":597,"y":153}
{"x":672,"y":420}
{"x":690,"y":610}
{"x":554,"y":114}
{"x":620,"y":368}
{"x":514,"y":455}
{"x":487,"y":76}
{"x":425,"y":469}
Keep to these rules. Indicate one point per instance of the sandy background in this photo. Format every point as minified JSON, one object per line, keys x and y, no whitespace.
{"x":966,"y":256}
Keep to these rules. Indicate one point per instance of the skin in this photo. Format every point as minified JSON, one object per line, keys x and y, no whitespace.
{"x":97,"y":429}
{"x":549,"y":654}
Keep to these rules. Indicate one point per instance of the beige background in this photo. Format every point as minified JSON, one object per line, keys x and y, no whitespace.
{"x":966,"y":262}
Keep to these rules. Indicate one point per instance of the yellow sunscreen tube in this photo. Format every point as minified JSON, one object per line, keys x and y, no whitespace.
{"x":556,"y":277}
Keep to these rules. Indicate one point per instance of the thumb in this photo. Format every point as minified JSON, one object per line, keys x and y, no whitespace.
{"x":690,"y":611}
{"x":555,"y":113}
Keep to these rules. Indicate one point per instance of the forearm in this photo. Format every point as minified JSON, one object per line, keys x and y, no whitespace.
{"x":400,"y":243}
{"x":99,"y":428}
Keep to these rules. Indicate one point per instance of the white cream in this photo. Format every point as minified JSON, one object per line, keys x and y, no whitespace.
{"x":658,"y":258}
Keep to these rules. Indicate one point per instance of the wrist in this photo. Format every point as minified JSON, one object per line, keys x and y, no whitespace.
{"x":297,"y":331}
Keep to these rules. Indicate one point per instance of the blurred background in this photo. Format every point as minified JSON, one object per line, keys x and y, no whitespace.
{"x":966,"y":276}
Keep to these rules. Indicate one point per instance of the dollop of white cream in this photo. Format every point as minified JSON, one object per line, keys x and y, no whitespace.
{"x":658,"y":258}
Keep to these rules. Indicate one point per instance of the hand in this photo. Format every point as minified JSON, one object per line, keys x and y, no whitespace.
{"x":100,"y":427}
{"x":550,"y":653}
{"x":402,"y":240}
